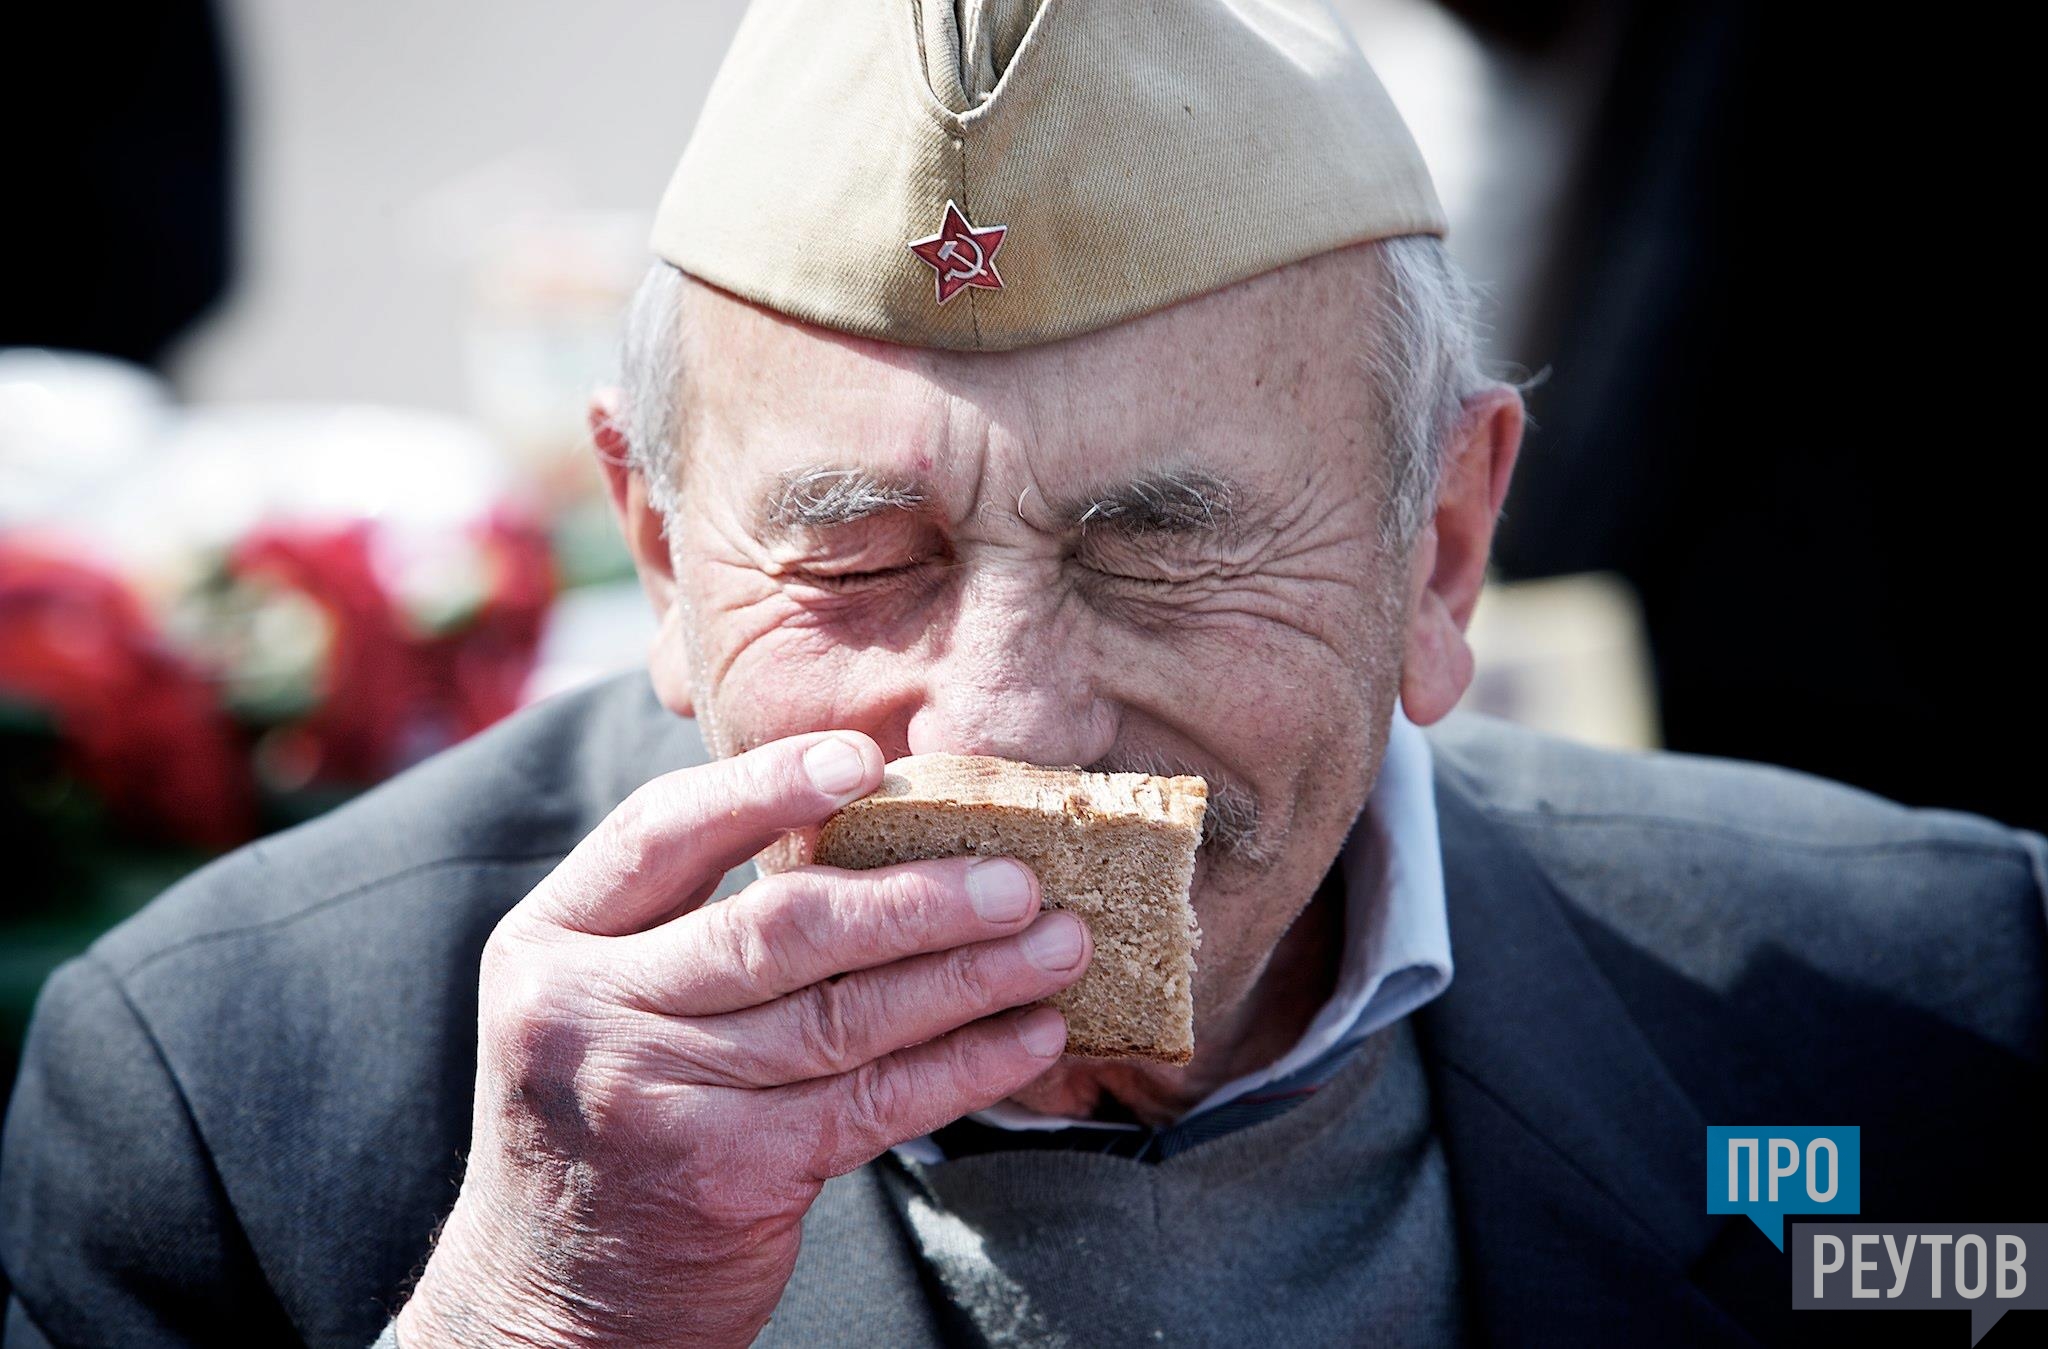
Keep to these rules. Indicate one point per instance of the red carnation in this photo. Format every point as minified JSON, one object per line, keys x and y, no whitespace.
{"x":141,"y":727}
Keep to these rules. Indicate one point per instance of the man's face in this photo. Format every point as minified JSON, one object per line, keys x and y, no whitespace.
{"x":1153,"y":547}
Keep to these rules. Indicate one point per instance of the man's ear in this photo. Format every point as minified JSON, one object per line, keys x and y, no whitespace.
{"x":646,"y":536}
{"x":1448,"y":565}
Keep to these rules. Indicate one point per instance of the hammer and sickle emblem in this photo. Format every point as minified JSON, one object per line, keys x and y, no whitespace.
{"x":963,"y":258}
{"x":962,"y":254}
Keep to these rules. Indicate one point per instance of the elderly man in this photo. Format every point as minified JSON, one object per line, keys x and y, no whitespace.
{"x":1085,"y":385}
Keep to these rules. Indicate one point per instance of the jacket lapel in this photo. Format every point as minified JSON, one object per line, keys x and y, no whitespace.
{"x":1577,"y":1165}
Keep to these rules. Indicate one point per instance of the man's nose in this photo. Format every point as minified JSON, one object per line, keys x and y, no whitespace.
{"x":1014,"y":680}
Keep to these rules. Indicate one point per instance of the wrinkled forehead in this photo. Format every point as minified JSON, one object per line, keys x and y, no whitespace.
{"x":1256,"y":383}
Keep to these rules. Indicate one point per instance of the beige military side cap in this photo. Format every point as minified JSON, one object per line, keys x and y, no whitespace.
{"x":989,"y":174}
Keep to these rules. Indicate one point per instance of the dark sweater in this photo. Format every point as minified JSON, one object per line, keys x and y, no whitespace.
{"x":1328,"y":1224}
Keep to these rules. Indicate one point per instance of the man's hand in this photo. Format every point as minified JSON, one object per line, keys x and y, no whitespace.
{"x":663,"y":1086}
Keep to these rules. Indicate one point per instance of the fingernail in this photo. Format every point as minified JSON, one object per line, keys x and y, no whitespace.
{"x":1054,"y":942}
{"x":1043,"y":1031}
{"x":835,"y":767}
{"x":999,"y":891}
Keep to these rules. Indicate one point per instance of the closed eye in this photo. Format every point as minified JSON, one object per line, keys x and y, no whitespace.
{"x":1159,"y":572}
{"x":869,"y":557}
{"x":842,"y":581}
{"x":1128,"y":578}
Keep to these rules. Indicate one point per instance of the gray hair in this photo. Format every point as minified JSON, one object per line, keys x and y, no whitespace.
{"x":1422,"y":358}
{"x":651,"y":382}
{"x":1424,"y":363}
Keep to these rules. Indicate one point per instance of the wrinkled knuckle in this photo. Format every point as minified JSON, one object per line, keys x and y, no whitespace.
{"x":906,"y":910}
{"x":969,"y":1064}
{"x":631,"y":843}
{"x":516,"y":986}
{"x":761,"y":777}
{"x":593,"y":1097}
{"x":537,"y":1046}
{"x":751,"y":937}
{"x":630,"y":816}
{"x":772,"y":896}
{"x":502,"y":952}
{"x":529,"y":1029}
{"x":969,"y":979}
{"x":825,"y":1022}
{"x":874,"y":1100}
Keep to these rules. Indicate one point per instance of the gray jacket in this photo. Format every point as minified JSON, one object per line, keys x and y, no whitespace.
{"x":244,"y":1111}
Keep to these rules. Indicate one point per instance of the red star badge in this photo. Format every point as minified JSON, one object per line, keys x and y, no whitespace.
{"x":961,"y":254}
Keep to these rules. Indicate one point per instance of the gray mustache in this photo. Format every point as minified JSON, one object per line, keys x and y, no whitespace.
{"x":1230,"y":825}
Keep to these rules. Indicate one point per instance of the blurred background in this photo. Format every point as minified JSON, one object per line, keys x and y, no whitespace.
{"x":301,"y":304}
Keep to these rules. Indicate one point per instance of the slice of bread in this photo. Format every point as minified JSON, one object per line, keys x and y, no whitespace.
{"x":1115,"y":849}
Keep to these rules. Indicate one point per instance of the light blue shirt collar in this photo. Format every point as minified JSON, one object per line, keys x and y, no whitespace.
{"x":1397,"y":934}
